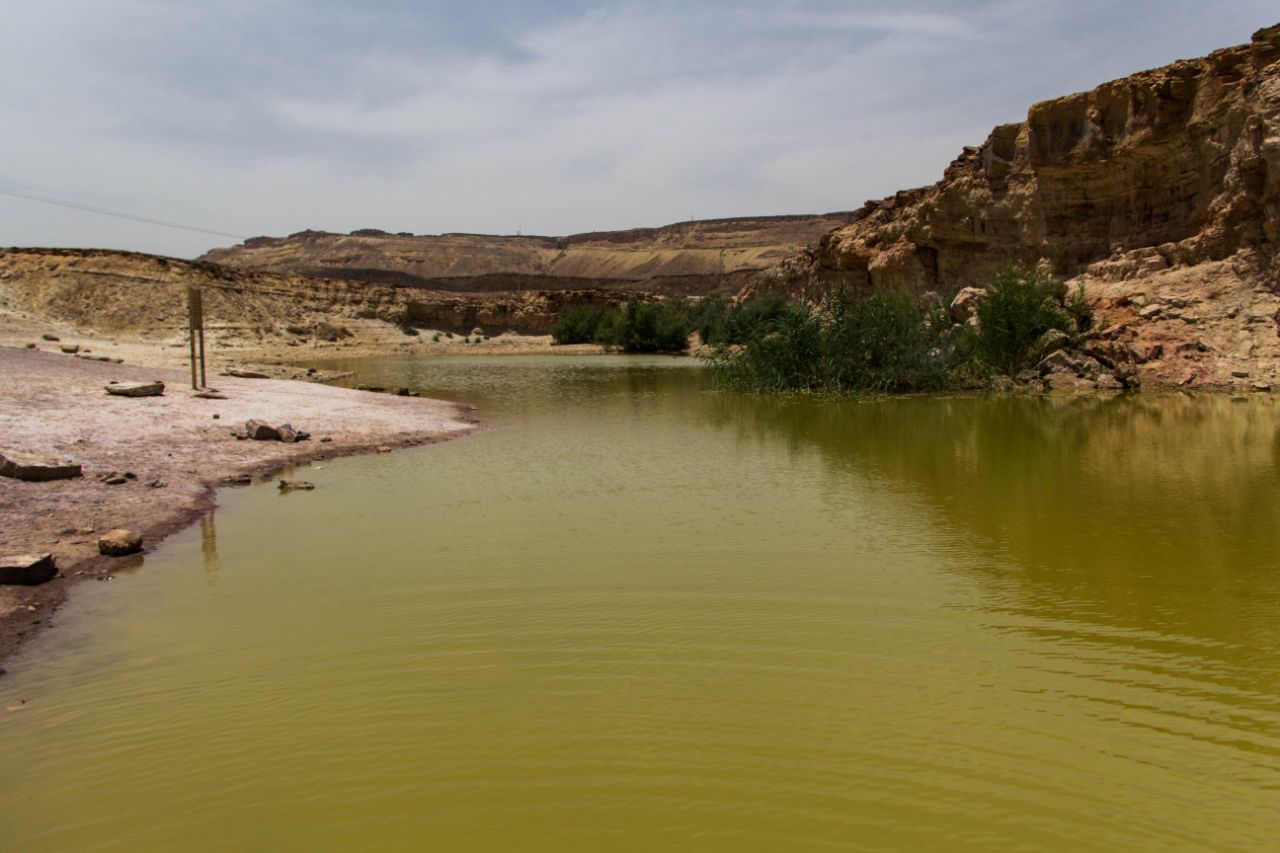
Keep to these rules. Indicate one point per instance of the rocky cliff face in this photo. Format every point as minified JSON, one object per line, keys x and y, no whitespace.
{"x":688,"y":258}
{"x":1160,"y":189}
{"x":138,"y":294}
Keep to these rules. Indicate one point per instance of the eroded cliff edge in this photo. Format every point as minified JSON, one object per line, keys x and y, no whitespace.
{"x":1160,"y":192}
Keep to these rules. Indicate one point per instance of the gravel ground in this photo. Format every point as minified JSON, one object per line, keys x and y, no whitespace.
{"x":54,"y":404}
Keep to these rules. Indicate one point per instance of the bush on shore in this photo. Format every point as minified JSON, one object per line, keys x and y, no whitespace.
{"x":662,"y":326}
{"x":578,"y":324}
{"x":888,"y":342}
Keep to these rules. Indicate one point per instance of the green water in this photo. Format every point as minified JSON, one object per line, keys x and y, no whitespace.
{"x":639,"y":615}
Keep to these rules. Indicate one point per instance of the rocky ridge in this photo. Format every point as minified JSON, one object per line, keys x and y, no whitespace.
{"x":686,"y":258}
{"x":130,"y":293}
{"x":1160,"y":192}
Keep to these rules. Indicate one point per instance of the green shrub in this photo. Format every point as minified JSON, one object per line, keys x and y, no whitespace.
{"x":578,"y":324}
{"x":1019,"y":307}
{"x":884,"y":342}
{"x":788,"y":357}
{"x":648,"y":326}
{"x":718,"y":321}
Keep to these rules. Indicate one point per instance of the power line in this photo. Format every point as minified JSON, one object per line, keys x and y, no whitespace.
{"x":117,"y":214}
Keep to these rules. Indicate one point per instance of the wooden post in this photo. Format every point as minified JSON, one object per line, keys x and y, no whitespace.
{"x":195,"y":323}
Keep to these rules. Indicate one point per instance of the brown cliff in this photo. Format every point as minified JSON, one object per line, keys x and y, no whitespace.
{"x":130,"y":293}
{"x":1160,"y":191}
{"x":686,"y":258}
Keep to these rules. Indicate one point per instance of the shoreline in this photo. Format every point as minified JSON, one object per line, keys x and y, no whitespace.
{"x":55,"y":405}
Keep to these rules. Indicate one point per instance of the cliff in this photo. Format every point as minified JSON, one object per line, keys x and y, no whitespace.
{"x":1160,"y":192}
{"x":687,"y":258}
{"x":130,"y":293}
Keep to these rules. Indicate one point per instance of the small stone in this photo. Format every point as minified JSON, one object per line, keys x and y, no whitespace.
{"x":210,"y":394}
{"x":31,"y":346}
{"x":1261,"y":386}
{"x":157,"y":484}
{"x":246,"y":374}
{"x":296,"y":485}
{"x":261,"y":430}
{"x":216,"y":416}
{"x":70,"y":349}
{"x":403,"y":392}
{"x":238,"y":480}
{"x":287,"y":434}
{"x":36,"y":469}
{"x":119,"y":543}
{"x":48,"y":337}
{"x":116,"y":481}
{"x":1240,"y":374}
{"x":27,"y":569}
{"x":325,"y":440}
{"x":1151,"y":311}
{"x":384,"y":449}
{"x":136,"y":389}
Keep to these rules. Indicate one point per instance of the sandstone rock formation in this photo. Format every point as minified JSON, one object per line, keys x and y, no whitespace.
{"x":1160,"y":192}
{"x":686,"y":258}
{"x":137,"y":294}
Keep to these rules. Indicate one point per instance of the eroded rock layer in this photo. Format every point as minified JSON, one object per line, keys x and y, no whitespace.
{"x":685,"y":258}
{"x":132,"y":293}
{"x":1160,"y":189}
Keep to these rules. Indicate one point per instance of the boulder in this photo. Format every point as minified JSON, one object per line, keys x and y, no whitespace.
{"x":261,"y":430}
{"x":119,"y":543}
{"x":1051,"y":341}
{"x":34,"y":468}
{"x":27,"y":569}
{"x":1057,"y":362}
{"x":964,"y":308}
{"x":136,"y":389}
{"x":287,"y":434}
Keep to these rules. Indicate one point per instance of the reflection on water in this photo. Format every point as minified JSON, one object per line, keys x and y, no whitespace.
{"x":641,"y":615}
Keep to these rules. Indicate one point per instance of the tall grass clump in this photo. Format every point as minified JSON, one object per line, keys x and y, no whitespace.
{"x":1019,"y":307}
{"x":719,"y":321}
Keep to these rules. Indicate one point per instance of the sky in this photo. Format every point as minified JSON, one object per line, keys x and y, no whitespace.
{"x":253,"y":117}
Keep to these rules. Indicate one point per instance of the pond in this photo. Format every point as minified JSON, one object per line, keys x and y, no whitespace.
{"x":638,"y":614}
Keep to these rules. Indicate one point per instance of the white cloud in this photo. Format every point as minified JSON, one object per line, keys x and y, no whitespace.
{"x":275,"y":116}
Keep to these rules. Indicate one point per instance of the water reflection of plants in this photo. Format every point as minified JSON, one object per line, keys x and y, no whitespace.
{"x":1157,"y":511}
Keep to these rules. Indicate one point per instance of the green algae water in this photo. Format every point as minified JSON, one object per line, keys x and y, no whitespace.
{"x":642,"y":615}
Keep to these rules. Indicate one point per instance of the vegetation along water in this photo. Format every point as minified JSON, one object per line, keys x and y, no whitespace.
{"x":641,"y":614}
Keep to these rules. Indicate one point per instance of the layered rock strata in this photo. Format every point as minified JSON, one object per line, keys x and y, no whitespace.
{"x":1160,"y":192}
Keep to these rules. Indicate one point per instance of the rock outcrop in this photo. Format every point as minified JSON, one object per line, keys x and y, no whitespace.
{"x":685,"y":258}
{"x":1160,"y":192}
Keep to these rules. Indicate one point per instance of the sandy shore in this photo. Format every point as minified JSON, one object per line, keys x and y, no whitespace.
{"x":178,"y":448}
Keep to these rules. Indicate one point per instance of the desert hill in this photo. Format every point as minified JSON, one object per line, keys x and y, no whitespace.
{"x":687,"y":258}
